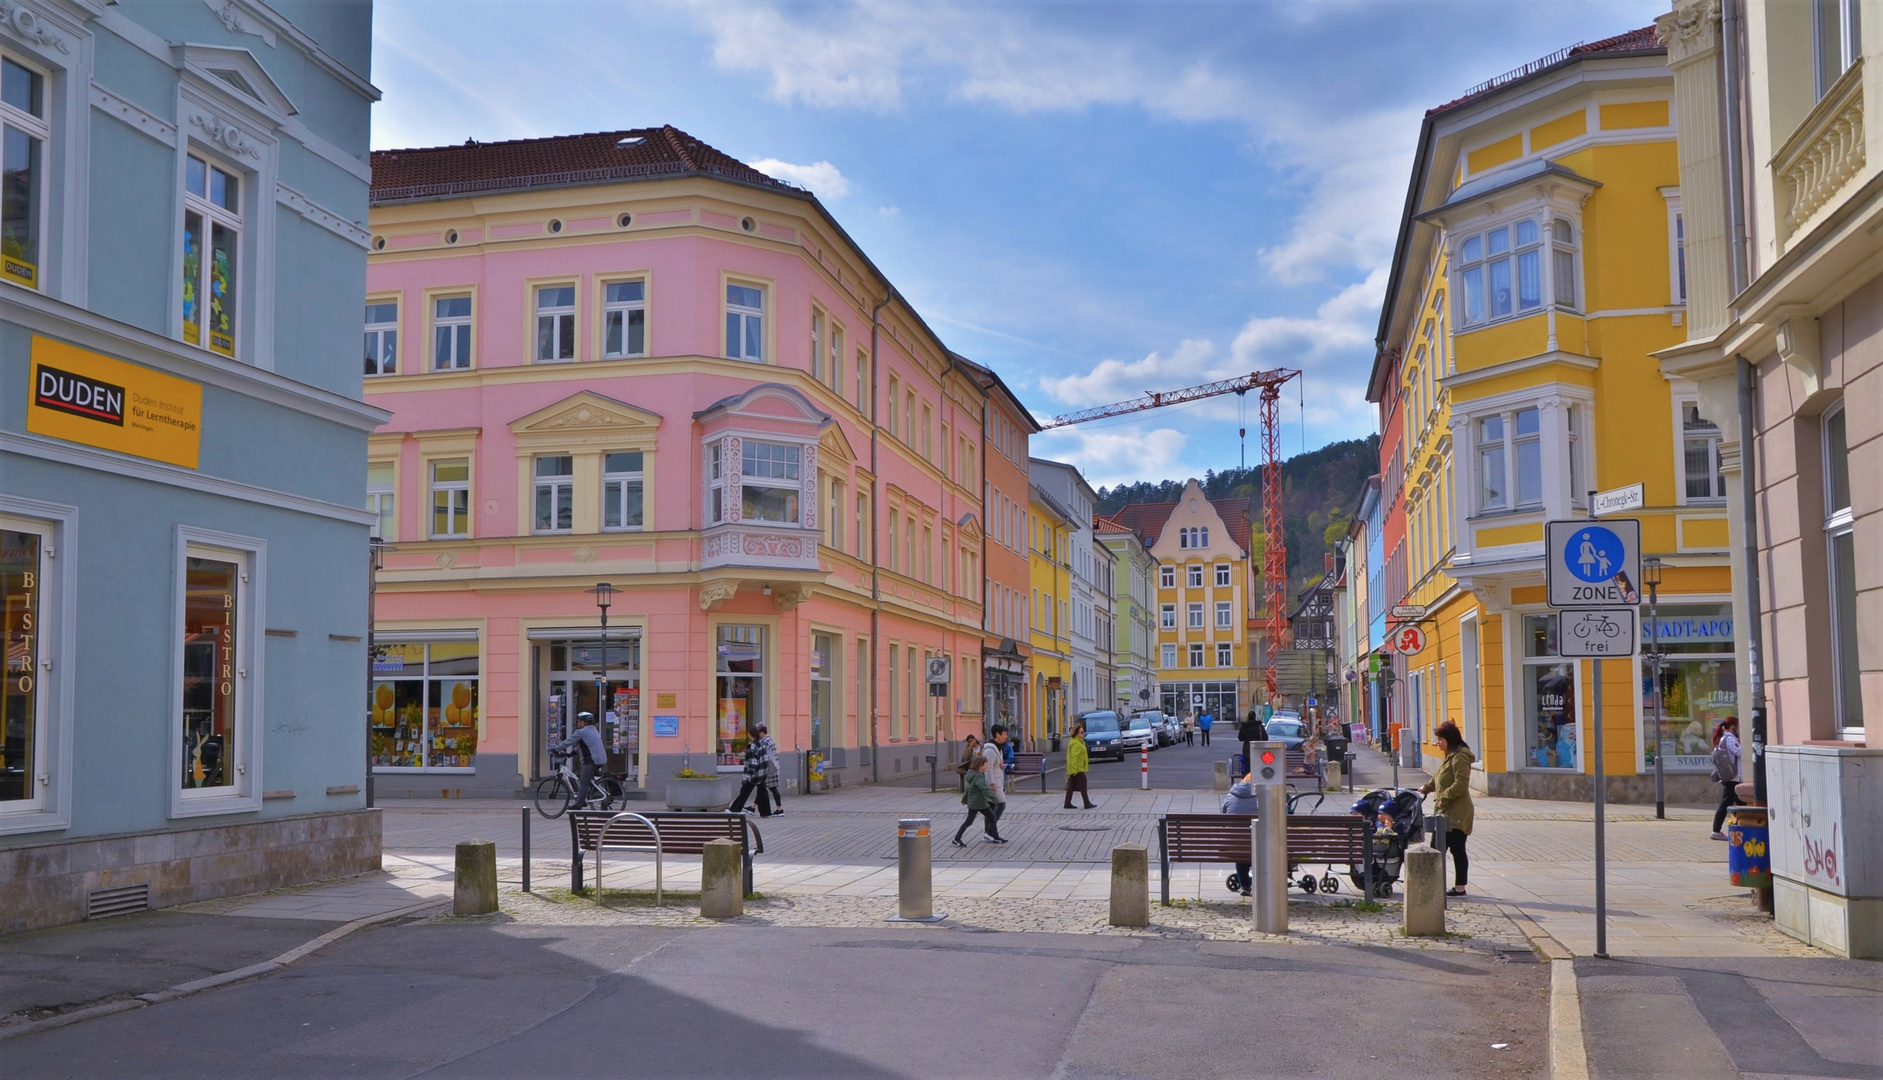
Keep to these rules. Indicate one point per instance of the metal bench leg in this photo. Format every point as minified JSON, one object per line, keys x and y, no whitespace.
{"x":1163,"y":856}
{"x":575,"y":872}
{"x":748,"y":872}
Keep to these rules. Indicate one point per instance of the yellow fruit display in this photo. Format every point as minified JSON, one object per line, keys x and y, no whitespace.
{"x":461,"y":695}
{"x":451,"y":713}
{"x":382,"y":696}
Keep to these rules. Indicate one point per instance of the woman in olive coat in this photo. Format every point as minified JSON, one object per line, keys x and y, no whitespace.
{"x":1452,"y":782}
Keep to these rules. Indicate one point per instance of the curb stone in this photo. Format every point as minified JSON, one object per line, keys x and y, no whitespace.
{"x":211,"y":982}
{"x":1568,"y":1057}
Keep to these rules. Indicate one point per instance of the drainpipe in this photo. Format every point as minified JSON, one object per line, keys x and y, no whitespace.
{"x":1748,"y":482}
{"x":876,"y":492}
{"x":1735,"y":152}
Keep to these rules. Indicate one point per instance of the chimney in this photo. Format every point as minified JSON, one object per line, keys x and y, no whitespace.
{"x":1330,"y":561}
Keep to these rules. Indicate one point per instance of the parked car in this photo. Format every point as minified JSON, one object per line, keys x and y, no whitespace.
{"x":1290,"y":731}
{"x":1141,"y":734}
{"x":1103,"y":735}
{"x":1168,"y":731}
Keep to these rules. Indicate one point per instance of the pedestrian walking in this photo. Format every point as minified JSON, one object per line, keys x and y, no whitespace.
{"x":1452,"y":782}
{"x":994,"y":768}
{"x":1078,"y":767}
{"x":978,"y":797}
{"x":769,"y":747}
{"x":1203,"y":724}
{"x":1241,"y":800}
{"x":1725,"y":770}
{"x":970,"y":755}
{"x":1252,"y":730}
{"x":754,"y":778}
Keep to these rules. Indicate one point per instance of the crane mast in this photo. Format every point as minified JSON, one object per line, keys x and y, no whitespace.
{"x":1274,"y":540}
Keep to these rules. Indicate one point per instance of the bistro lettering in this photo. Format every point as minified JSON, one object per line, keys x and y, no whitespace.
{"x":65,"y":392}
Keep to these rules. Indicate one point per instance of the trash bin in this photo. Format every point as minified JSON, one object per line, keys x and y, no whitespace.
{"x":1748,"y":855}
{"x":1337,"y":751}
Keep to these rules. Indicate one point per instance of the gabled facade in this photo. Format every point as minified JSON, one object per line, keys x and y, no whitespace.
{"x":627,"y":358}
{"x":1069,"y":490}
{"x":1539,"y":260}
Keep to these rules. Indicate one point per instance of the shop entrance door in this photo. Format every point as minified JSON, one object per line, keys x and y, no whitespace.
{"x":570,"y":688}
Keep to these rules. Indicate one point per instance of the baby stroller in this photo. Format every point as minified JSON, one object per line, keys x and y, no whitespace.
{"x":1398,"y":821}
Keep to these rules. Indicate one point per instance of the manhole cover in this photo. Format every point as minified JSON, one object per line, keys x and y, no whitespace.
{"x":1085,"y":828}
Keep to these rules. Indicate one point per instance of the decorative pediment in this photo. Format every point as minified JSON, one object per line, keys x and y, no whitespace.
{"x":586,"y":412}
{"x":969,"y":526}
{"x":235,"y":73}
{"x":836,"y":447}
{"x":766,"y":401}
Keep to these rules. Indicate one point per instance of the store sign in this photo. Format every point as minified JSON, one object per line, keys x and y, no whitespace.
{"x":1681,"y":629}
{"x":1409,"y":640}
{"x":84,"y":397}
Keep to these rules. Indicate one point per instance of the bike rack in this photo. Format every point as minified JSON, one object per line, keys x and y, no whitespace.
{"x":601,"y":842}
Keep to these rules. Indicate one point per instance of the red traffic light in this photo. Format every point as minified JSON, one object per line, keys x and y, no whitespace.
{"x":1268,"y":757}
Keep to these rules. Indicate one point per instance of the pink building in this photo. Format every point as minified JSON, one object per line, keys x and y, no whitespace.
{"x":628,"y":358}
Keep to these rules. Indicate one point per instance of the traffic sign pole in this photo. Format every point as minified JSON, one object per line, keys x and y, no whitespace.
{"x":1601,"y":852}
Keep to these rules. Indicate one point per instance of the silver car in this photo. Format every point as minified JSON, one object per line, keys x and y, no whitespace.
{"x":1169,"y":728}
{"x":1140,"y":734}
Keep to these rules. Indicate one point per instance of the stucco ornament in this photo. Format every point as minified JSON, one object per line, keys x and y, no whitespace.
{"x":715,"y":593}
{"x":1690,"y":31}
{"x":788,"y":597}
{"x":236,"y":21}
{"x":27,"y":24}
{"x":225,"y":134}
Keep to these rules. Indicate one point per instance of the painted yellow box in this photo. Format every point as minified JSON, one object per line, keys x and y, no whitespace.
{"x":1561,"y":129}
{"x":84,"y":397}
{"x":1489,"y":157}
{"x":1634,"y":114}
{"x":1500,"y":535}
{"x":1704,"y":534}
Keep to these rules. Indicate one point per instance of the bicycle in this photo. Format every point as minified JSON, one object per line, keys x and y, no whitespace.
{"x":555,"y":793}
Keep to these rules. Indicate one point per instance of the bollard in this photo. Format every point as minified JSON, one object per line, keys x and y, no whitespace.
{"x":915,"y":885}
{"x":1222,"y":776}
{"x":1268,"y":837}
{"x":1332,"y":783}
{"x":722,"y":881}
{"x":1144,"y":770}
{"x":1130,"y":885}
{"x":1425,"y":894}
{"x":526,"y":849}
{"x":475,"y":892}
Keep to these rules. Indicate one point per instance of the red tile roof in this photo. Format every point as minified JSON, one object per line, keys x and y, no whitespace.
{"x":1148,"y":519}
{"x":558,"y":161}
{"x":1643,"y":40}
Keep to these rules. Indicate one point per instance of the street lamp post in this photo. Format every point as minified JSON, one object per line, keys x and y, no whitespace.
{"x":1651,"y":577}
{"x":604,"y":594}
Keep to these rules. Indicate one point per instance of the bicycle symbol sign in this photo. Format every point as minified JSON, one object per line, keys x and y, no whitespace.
{"x":1597,"y":632}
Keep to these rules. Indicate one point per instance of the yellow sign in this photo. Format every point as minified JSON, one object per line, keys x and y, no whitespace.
{"x":83,"y":397}
{"x":666,"y":701}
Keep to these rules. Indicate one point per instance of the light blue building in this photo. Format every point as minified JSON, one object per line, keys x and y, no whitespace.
{"x":182,"y":450}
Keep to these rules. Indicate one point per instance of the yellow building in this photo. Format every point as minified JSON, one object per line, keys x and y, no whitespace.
{"x":1049,"y":559}
{"x":1539,"y":267}
{"x":1204,"y":598}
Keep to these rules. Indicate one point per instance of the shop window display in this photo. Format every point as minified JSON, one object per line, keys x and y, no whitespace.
{"x":424,"y":706}
{"x":209,"y":672}
{"x":19,"y":715}
{"x":1699,"y":683}
{"x":1549,"y":697}
{"x":740,"y":688}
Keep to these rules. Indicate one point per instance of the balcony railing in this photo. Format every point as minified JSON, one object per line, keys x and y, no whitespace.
{"x":768,"y":547}
{"x":1824,"y":153}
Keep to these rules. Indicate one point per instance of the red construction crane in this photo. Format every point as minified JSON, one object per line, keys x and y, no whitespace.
{"x":1274,"y":540}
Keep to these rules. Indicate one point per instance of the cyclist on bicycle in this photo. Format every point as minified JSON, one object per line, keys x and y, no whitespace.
{"x":588,"y":741}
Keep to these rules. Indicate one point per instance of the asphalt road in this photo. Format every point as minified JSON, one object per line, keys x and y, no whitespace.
{"x":487,"y":999}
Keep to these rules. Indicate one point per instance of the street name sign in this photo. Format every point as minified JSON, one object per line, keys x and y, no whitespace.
{"x":1596,"y":632}
{"x":1593,"y":564}
{"x":1616,"y":500}
{"x":1408,"y":611}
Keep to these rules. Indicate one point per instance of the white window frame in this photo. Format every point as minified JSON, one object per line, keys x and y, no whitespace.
{"x":560,"y":487}
{"x":621,"y":481}
{"x":1169,"y":656}
{"x":1565,"y":263}
{"x":1839,"y":524}
{"x":1465,"y":264}
{"x":1848,"y":52}
{"x":1517,"y":442}
{"x":750,"y":323}
{"x":624,"y":310}
{"x":817,"y":342}
{"x":1225,"y":654}
{"x":461,"y":331}
{"x":1197,"y":655}
{"x":1224,"y":615}
{"x":1717,"y":482}
{"x":39,"y":128}
{"x":214,"y":214}
{"x":792,"y":462}
{"x":382,"y":337}
{"x":1676,"y":248}
{"x":433,"y":486}
{"x":834,"y":377}
{"x":713,"y":512}
{"x":382,"y":500}
{"x":53,"y":675}
{"x":1193,"y":576}
{"x":1167,"y":577}
{"x":558,"y":319}
{"x":1222,"y":575}
{"x":1167,"y":617}
{"x":250,"y":554}
{"x":1193,"y":615}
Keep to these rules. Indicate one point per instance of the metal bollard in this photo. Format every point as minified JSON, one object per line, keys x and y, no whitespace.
{"x":1144,"y":770}
{"x":526,"y":849}
{"x":1268,"y":839}
{"x":915,"y":885}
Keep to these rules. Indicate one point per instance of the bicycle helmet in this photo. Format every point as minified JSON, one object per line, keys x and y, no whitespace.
{"x":585,"y":717}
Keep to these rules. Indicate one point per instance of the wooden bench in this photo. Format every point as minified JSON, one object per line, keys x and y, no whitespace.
{"x":679,"y":833}
{"x":1312,"y":838}
{"x":1025,"y":765}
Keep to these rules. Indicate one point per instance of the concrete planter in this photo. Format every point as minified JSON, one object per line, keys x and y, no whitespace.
{"x":699,"y":793}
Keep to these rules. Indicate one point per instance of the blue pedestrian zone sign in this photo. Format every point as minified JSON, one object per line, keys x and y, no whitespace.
{"x":1594,"y":564}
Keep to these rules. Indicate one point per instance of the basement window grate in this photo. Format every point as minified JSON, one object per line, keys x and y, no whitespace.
{"x":123,"y":900}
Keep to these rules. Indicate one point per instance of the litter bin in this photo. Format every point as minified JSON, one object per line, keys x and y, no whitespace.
{"x":1337,"y":751}
{"x":1748,"y":855}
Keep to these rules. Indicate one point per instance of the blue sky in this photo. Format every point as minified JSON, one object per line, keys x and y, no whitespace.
{"x":1095,"y":199}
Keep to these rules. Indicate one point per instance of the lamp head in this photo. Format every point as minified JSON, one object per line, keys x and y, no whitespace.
{"x":1651,"y":570}
{"x":603,"y":593}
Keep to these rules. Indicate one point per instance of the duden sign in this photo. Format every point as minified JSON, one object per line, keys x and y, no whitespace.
{"x":83,"y":397}
{"x":1596,"y":632}
{"x":1616,"y":500}
{"x":1594,"y":564}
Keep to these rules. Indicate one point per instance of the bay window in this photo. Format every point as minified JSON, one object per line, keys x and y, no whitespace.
{"x":212,"y":231}
{"x":624,"y":319}
{"x":555,"y":494}
{"x":555,"y":323}
{"x":1529,"y":454}
{"x":1563,"y":252}
{"x":716,"y":485}
{"x":769,"y":481}
{"x":24,"y":133}
{"x":1499,"y":271}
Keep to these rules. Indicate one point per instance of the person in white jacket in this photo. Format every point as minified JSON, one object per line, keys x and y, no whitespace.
{"x":1725,"y":770}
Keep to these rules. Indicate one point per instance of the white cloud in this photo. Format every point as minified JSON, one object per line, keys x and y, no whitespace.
{"x":1113,"y":455}
{"x":821,"y":176}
